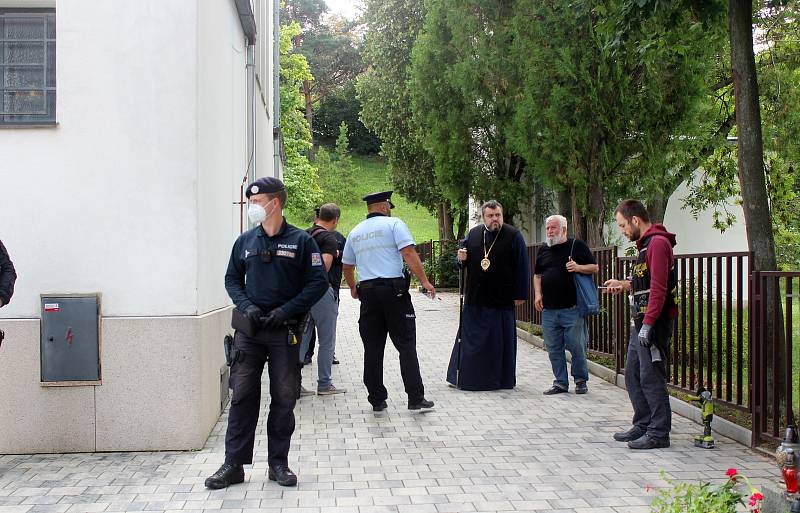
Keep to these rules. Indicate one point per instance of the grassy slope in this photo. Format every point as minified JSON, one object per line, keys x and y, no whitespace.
{"x":372,"y":176}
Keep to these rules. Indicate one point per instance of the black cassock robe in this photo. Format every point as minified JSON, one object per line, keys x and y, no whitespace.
{"x":486,"y":356}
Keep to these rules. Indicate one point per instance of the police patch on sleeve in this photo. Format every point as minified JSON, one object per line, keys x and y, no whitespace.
{"x":316,"y":259}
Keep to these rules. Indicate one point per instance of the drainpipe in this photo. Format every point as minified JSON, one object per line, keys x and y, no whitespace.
{"x":251,"y":110}
{"x":276,"y":90}
{"x":250,"y":174}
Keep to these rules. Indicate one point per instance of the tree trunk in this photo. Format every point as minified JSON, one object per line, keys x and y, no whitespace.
{"x":755,"y":203}
{"x":752,"y":181}
{"x":576,"y":224}
{"x":595,"y":216}
{"x":445,"y":221}
{"x":657,"y":207}
{"x":463,"y":223}
{"x":309,"y":115}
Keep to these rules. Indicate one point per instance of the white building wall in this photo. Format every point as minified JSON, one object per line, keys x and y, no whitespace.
{"x":105,"y":202}
{"x":130,"y":196}
{"x":222,"y":148}
{"x":699,"y":235}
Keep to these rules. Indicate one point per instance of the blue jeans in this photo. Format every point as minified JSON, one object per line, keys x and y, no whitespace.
{"x":564,"y":329}
{"x":324,"y":313}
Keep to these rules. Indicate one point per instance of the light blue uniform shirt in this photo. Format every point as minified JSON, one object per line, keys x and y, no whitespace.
{"x":374,"y":245}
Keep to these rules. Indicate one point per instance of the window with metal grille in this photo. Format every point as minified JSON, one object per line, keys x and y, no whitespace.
{"x":27,"y":66}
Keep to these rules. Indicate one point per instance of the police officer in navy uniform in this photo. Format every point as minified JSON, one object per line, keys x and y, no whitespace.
{"x":274,"y":276}
{"x":377,"y":247}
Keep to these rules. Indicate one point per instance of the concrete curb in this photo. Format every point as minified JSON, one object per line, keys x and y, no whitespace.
{"x":721,"y":426}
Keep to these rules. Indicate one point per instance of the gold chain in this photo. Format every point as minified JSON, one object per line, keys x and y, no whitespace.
{"x":486,"y":253}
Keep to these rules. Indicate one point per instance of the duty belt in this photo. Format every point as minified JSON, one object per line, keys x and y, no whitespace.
{"x":380,"y":282}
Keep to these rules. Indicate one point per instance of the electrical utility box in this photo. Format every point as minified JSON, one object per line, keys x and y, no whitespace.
{"x":70,"y":345}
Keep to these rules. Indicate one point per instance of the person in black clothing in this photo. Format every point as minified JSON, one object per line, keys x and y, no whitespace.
{"x":274,"y":277}
{"x":498,"y":276}
{"x":7,"y":276}
{"x":555,"y":296}
{"x":326,"y":310}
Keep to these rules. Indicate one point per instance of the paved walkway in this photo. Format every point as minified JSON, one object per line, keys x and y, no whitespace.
{"x":477,"y":451}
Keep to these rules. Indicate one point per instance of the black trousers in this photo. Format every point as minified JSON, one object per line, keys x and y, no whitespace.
{"x":386,"y":309}
{"x":272,"y":345}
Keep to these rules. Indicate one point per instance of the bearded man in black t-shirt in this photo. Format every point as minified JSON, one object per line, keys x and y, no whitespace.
{"x":554,"y":295}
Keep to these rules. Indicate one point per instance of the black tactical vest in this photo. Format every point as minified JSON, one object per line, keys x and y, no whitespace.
{"x":640,"y":287}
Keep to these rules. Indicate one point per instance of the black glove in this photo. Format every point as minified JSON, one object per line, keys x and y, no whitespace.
{"x":275,"y":319}
{"x":255,"y":314}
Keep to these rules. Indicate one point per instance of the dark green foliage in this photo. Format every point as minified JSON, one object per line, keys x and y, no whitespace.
{"x":465,"y":88}
{"x":344,"y":106}
{"x":337,"y":176}
{"x":600,"y":120}
{"x":385,"y":93}
{"x":441,"y":268}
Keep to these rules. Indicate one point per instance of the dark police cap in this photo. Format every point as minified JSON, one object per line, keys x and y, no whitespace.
{"x":265,"y":185}
{"x":377,"y":197}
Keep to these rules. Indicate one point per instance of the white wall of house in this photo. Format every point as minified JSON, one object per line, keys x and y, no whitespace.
{"x":131,"y":196}
{"x":699,"y":235}
{"x":87,"y":203}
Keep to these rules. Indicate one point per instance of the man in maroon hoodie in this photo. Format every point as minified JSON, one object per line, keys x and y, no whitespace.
{"x":653,"y":287}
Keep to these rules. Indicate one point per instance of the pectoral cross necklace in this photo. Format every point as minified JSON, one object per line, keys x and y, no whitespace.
{"x":485,"y":263}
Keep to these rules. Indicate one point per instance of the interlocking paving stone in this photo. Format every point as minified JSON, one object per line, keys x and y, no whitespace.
{"x":510,"y":450}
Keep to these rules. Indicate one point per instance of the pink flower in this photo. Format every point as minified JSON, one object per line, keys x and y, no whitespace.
{"x":731,"y":472}
{"x":756,"y":498}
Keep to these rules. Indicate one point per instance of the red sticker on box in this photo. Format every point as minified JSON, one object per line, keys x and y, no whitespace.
{"x":51,"y":307}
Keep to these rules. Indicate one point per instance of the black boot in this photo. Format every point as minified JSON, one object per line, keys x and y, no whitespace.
{"x":422,"y":404}
{"x":283,"y":475}
{"x":630,"y":435}
{"x":227,"y":475}
{"x":646,"y":442}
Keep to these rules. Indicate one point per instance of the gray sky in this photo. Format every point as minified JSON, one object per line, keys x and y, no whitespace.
{"x":346,"y":8}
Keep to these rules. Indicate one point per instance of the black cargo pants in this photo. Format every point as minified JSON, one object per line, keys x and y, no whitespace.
{"x":246,"y":371}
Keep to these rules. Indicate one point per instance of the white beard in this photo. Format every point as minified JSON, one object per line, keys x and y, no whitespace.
{"x":555,"y":241}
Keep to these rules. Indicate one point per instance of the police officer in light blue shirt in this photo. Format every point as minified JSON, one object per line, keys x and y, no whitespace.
{"x":377,"y":247}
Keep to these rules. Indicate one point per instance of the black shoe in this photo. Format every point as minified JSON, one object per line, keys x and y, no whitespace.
{"x":380,"y":406}
{"x":630,"y":435}
{"x":422,"y":404}
{"x":283,"y":475}
{"x":226,"y":475}
{"x":335,"y":361}
{"x":581,"y":388}
{"x":307,"y":360}
{"x":555,"y":390}
{"x":648,"y":442}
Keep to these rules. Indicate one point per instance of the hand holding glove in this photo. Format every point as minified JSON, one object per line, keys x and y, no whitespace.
{"x":644,"y":336}
{"x":275,"y":319}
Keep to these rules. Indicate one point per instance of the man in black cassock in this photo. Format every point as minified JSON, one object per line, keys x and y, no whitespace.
{"x":497,"y":276}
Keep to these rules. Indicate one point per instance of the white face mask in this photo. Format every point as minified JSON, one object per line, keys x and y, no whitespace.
{"x":256,"y":213}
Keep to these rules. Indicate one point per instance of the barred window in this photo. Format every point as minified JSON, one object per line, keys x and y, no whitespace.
{"x":27,"y":66}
